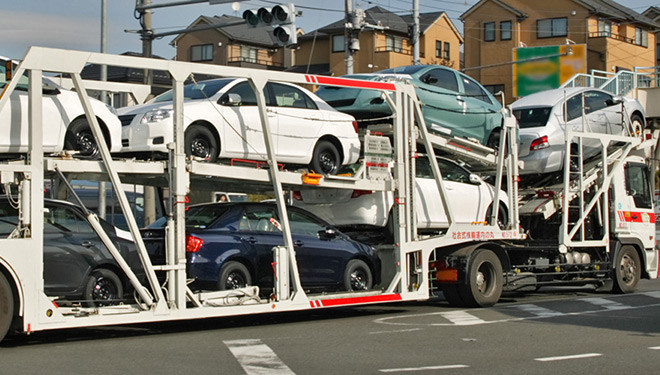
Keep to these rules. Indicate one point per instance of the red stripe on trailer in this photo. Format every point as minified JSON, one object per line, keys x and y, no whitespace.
{"x":353,"y":83}
{"x":359,"y":300}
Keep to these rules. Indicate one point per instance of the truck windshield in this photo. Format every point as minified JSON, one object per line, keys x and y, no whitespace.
{"x":22,"y":83}
{"x":532,"y":117}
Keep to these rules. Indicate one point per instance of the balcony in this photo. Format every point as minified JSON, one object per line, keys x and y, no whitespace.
{"x":248,"y":62}
{"x":621,"y":38}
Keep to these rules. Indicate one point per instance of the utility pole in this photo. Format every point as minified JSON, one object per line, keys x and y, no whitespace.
{"x":415,"y":36}
{"x":349,"y":36}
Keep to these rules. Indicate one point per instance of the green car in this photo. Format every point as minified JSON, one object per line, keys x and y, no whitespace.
{"x":452,"y":103}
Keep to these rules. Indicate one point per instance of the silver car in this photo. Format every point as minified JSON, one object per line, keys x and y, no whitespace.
{"x":544,"y":116}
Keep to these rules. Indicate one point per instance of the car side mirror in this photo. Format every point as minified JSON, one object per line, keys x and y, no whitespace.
{"x":615,"y":100}
{"x":429,"y":80}
{"x":474,"y":179}
{"x":230,"y":99}
{"x":378,"y":100}
{"x":327,"y":234}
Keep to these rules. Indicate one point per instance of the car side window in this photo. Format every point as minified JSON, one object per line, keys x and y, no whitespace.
{"x":442,"y":78}
{"x":259,"y":219}
{"x":248,"y":96}
{"x":472,"y":89}
{"x":288,"y":96}
{"x":303,"y":224}
{"x":595,"y":101}
{"x":573,"y":108}
{"x":60,"y":219}
{"x":423,"y":168}
{"x":452,"y":172}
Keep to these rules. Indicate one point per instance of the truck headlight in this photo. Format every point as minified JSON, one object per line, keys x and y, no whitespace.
{"x":156,"y":115}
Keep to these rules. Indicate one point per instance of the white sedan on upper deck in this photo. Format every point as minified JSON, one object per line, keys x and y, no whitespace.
{"x":221,"y":120}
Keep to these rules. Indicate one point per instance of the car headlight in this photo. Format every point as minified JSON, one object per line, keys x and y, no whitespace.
{"x":156,"y":115}
{"x":110,"y":108}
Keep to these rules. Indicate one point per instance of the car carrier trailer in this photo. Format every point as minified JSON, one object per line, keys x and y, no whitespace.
{"x":472,"y":262}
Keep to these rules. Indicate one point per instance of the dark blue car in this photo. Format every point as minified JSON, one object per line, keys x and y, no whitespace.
{"x":229,"y":245}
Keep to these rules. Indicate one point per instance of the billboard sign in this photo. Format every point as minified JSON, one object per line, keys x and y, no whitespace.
{"x":543,"y":68}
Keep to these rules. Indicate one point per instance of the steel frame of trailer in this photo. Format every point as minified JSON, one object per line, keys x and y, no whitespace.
{"x":22,"y":257}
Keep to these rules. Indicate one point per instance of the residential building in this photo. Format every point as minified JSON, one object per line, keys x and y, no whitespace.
{"x":232,"y":43}
{"x":384,"y":44}
{"x":654,"y":14}
{"x":616,"y":37}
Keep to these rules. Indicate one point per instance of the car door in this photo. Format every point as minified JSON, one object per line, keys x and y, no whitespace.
{"x":478,"y":108}
{"x":639,"y":201}
{"x":243,"y":133}
{"x":259,"y":229}
{"x":71,"y":250}
{"x":443,"y":105}
{"x":603,"y":112}
{"x":299,"y":122}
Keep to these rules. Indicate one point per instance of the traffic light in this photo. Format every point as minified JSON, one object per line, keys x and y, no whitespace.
{"x":282,"y":16}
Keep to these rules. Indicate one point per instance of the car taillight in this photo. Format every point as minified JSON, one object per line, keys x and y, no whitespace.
{"x":539,"y":143}
{"x":359,"y":193}
{"x":193,"y":244}
{"x":355,"y":126}
{"x":296,"y":195}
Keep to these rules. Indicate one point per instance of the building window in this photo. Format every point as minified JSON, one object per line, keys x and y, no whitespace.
{"x":641,"y":37}
{"x":489,"y":31}
{"x":338,"y":43}
{"x":505,"y":30}
{"x":394,"y":44}
{"x":604,"y":28}
{"x":438,"y":48}
{"x":248,"y":54}
{"x":202,"y":52}
{"x":446,"y":51}
{"x":552,"y":27}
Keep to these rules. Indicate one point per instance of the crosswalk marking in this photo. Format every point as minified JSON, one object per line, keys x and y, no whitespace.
{"x":538,"y":310}
{"x":654,"y":294}
{"x":462,"y":318}
{"x":605,"y":303}
{"x":565,"y":357}
{"x":257,"y":358}
{"x":426,"y":368}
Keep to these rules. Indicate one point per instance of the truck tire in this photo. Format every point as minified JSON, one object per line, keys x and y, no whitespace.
{"x":627,"y":270}
{"x":6,"y":306}
{"x":485,"y":280}
{"x":452,"y":295}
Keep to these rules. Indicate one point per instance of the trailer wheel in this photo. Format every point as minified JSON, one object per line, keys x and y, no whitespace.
{"x":452,"y":295}
{"x":325,"y":159}
{"x":103,"y":288}
{"x":6,"y":306}
{"x":627,"y":270}
{"x":200,"y":142}
{"x":357,"y":276}
{"x":233,"y":275}
{"x":79,"y":137}
{"x":485,"y":280}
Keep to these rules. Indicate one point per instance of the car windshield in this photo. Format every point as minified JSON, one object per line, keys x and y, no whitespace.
{"x":200,"y":90}
{"x":340,"y":96}
{"x":410,"y":69}
{"x":532,"y":117}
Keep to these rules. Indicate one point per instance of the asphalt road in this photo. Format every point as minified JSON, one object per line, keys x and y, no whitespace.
{"x":559,"y":331}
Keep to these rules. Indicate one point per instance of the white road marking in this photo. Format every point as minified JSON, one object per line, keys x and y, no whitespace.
{"x":257,"y":358}
{"x":395,"y":331}
{"x":654,"y":347}
{"x":565,"y":357}
{"x":606,"y":303}
{"x":654,"y":294}
{"x":539,"y":311}
{"x":462,"y":318}
{"x":408,"y":369}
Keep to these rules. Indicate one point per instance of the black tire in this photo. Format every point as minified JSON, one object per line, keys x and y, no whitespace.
{"x":326,"y":159}
{"x":389,"y":227}
{"x":79,"y":137}
{"x":502,"y":216}
{"x":357,"y":276}
{"x":485,"y":280}
{"x":627,"y":270}
{"x":200,"y":142}
{"x":452,"y":295}
{"x":103,"y":288}
{"x":494,"y":139}
{"x":637,"y":124}
{"x":233,"y":275}
{"x":6,"y":306}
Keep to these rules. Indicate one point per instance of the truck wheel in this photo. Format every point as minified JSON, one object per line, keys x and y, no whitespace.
{"x":103,"y":288}
{"x":627,"y":270}
{"x":485,"y":280}
{"x":357,"y":276}
{"x":234,"y":275}
{"x":452,"y":295}
{"x":6,"y":306}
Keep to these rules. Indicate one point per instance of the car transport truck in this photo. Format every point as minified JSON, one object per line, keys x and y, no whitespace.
{"x":595,"y":227}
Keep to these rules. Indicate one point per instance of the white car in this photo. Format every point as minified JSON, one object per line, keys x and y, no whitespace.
{"x":470,"y":199}
{"x":544,"y":116}
{"x":222,"y":121}
{"x":64,"y":123}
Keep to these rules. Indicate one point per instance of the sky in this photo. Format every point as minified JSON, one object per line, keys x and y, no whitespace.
{"x":76,"y":24}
